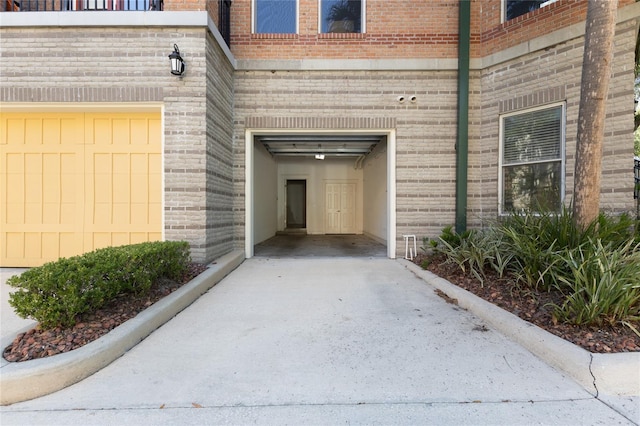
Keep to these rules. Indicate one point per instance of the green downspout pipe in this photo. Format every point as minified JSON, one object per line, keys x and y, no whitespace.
{"x":462,"y":145}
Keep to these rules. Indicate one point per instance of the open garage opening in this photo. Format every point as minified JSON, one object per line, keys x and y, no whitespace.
{"x":320,"y":193}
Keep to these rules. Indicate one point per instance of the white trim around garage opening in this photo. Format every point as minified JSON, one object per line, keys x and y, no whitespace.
{"x":391,"y":180}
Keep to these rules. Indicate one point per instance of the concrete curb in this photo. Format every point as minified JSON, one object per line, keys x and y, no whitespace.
{"x":612,"y":374}
{"x":22,"y":381}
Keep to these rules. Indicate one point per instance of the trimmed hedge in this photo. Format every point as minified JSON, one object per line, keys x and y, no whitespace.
{"x":55,"y":293}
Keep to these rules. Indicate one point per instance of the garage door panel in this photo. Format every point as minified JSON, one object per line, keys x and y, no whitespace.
{"x":15,"y":189}
{"x":98,"y":130}
{"x":33,"y":245}
{"x":52,"y":131}
{"x":33,"y":188}
{"x":33,"y":131}
{"x":51,"y":213}
{"x":120,"y":215}
{"x":14,"y":163}
{"x":140,"y":164}
{"x":15,"y":213}
{"x":13,"y":132}
{"x":140,"y":188}
{"x":50,"y":245}
{"x":101,"y":214}
{"x":139,"y":213}
{"x":121,"y":163}
{"x":139,"y":132}
{"x":140,"y":237}
{"x":68,"y":213}
{"x":76,"y":182}
{"x":98,"y":240}
{"x":69,"y":132}
{"x":155,"y":216}
{"x":69,"y":243}
{"x":121,"y":131}
{"x":14,"y":246}
{"x":32,"y":213}
{"x":119,"y":238}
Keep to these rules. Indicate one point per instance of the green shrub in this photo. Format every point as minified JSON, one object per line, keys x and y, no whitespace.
{"x":603,"y":284}
{"x":596,"y":269}
{"x":56,"y":293}
{"x":537,"y":241}
{"x":475,"y":251}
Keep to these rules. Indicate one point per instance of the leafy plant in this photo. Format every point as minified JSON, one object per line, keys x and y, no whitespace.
{"x":475,"y":251}
{"x":596,"y":269}
{"x":603,"y":284}
{"x":56,"y":293}
{"x":537,"y":241}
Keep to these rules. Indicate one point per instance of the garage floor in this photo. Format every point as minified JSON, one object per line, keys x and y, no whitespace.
{"x":320,"y":246}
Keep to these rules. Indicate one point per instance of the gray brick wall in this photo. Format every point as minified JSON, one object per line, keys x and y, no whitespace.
{"x":219,"y":127}
{"x":425,"y":139}
{"x":207,"y":112}
{"x":116,"y":66}
{"x":554,"y":75}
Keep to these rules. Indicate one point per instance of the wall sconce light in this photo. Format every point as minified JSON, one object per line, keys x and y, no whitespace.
{"x":177,"y":63}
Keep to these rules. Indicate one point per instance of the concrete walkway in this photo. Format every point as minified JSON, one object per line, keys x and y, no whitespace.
{"x":324,"y":341}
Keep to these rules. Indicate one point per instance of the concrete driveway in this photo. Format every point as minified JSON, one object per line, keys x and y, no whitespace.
{"x":322,"y":341}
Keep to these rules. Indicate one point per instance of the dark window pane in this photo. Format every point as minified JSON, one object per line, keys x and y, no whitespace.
{"x":516,"y":8}
{"x":533,"y":187}
{"x":341,"y":16}
{"x":276,"y":16}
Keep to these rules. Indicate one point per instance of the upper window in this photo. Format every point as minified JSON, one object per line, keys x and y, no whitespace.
{"x":532,"y":160}
{"x":342,"y":16}
{"x":275,"y":16}
{"x":515,"y":8}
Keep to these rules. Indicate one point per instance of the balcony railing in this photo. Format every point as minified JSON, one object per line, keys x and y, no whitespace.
{"x":71,"y":5}
{"x":636,"y":185}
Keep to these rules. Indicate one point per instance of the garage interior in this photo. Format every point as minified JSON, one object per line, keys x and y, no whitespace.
{"x":319,"y":194}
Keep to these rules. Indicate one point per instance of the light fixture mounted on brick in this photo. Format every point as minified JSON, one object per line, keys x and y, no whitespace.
{"x":177,"y":63}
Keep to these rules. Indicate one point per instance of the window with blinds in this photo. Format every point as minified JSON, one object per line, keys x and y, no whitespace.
{"x":532,"y":160}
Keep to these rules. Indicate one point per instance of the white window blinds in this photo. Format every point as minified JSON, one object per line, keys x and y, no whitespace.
{"x":533,"y":136}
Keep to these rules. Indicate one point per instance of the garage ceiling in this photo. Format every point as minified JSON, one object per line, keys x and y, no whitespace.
{"x":328,"y":145}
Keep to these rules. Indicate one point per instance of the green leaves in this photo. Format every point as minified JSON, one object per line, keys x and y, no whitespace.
{"x":56,"y":293}
{"x":597,"y":270}
{"x":603,"y":284}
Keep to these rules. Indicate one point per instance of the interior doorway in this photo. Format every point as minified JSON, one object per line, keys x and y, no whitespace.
{"x":296,"y":203}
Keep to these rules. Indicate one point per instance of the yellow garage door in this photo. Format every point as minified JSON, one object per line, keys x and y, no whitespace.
{"x":74,"y":182}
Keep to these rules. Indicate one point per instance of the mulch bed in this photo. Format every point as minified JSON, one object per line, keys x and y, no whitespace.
{"x":527,"y":304}
{"x":532,"y":306}
{"x":39,"y":343}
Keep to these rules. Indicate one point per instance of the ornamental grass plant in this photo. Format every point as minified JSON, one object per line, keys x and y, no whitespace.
{"x":596,"y":270}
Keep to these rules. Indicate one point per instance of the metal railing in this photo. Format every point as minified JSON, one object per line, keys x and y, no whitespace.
{"x":71,"y":5}
{"x":636,"y":185}
{"x":224,"y":18}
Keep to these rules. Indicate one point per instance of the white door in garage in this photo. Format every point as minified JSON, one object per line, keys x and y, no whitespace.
{"x":74,"y":182}
{"x":340,"y":205}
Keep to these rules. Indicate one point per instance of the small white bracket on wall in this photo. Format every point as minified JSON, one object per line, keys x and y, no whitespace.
{"x":409,"y":251}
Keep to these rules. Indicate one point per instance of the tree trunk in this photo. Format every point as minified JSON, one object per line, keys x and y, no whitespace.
{"x":596,"y":73}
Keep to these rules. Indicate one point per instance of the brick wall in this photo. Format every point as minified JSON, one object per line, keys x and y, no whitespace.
{"x":549,"y":76}
{"x":219,"y":180}
{"x":392,"y":31}
{"x":425,"y":136}
{"x":497,"y":36}
{"x":403,"y":29}
{"x":116,"y":66}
